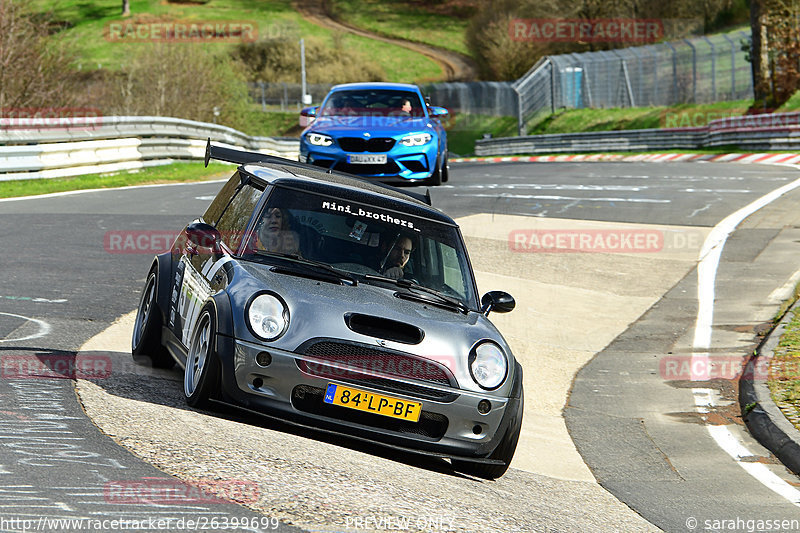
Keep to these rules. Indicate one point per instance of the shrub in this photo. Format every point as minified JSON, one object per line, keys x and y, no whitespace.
{"x":178,"y":80}
{"x":34,"y":72}
{"x":278,"y":60}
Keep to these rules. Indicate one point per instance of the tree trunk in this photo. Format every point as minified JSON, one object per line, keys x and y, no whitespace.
{"x":759,"y":52}
{"x":126,"y":8}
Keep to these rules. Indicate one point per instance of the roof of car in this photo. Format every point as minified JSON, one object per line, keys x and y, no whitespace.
{"x":318,"y":181}
{"x":376,"y":85}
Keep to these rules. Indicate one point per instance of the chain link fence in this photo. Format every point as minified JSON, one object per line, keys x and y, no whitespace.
{"x":699,"y":70}
{"x":285,"y":96}
{"x":489,"y":98}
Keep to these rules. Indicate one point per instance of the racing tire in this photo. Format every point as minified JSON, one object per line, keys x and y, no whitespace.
{"x":504,"y":451}
{"x":446,"y":168}
{"x":202,"y":372}
{"x":146,"y":339}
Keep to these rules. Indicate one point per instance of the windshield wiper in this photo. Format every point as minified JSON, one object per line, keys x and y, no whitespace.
{"x":338,"y":274}
{"x":411,"y":286}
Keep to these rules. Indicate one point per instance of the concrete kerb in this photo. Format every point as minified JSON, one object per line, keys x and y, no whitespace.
{"x":766,"y":158}
{"x":760,"y":413}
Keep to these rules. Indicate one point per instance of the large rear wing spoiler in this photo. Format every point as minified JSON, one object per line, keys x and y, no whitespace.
{"x":242,"y":157}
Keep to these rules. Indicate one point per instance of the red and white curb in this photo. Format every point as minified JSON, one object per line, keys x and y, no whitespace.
{"x":652,"y":158}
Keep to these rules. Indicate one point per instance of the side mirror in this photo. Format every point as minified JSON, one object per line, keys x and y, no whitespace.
{"x":203,"y":235}
{"x":498,"y":301}
{"x":439,"y":112}
{"x":307,"y":115}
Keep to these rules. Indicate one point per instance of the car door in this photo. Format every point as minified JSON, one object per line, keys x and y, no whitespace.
{"x":200,"y":264}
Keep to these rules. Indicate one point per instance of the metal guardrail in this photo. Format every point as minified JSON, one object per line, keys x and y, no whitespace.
{"x":47,"y":148}
{"x":779,"y":131}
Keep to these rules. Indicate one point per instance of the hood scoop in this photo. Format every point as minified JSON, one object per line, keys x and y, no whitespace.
{"x":383,"y":328}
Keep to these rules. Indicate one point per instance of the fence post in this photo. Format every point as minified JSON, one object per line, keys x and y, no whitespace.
{"x":640,"y":75}
{"x":520,"y":119}
{"x":628,"y":82}
{"x":751,"y":77}
{"x":713,"y":68}
{"x":674,"y":72}
{"x":263,"y":100}
{"x":733,"y":65}
{"x":694,"y":70}
{"x":655,"y":76}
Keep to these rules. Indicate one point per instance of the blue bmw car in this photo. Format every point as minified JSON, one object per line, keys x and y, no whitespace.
{"x":385,"y":131}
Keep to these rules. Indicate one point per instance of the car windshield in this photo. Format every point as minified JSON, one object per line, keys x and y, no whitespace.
{"x":373,"y":102}
{"x":376,"y":245}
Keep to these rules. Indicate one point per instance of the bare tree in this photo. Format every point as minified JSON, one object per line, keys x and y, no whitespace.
{"x":33,"y":71}
{"x":176,"y":80}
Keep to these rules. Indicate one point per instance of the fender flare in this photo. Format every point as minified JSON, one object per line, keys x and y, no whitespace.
{"x":163,"y":265}
{"x":225,"y":340}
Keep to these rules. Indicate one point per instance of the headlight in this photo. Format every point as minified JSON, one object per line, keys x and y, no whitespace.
{"x":267,"y":317}
{"x":488,"y":365}
{"x":317,"y":139}
{"x":416,"y":140}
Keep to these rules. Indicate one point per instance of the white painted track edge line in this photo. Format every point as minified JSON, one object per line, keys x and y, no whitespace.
{"x":710,"y":255}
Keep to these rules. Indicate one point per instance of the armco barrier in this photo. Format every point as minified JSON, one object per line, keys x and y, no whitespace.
{"x":43,"y":148}
{"x":779,"y":131}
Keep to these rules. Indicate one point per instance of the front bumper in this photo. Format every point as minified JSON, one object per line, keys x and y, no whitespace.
{"x":450,"y":424}
{"x":402,"y":163}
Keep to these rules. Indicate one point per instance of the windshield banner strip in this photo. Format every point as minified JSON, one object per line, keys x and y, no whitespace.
{"x":346,"y":208}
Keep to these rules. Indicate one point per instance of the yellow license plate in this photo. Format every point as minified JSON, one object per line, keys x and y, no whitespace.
{"x":372,"y":403}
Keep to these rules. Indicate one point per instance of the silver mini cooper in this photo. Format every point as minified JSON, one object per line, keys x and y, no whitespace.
{"x":338,"y":305}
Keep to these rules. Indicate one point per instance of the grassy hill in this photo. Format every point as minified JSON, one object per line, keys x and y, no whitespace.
{"x":443,"y":24}
{"x":86,"y":28}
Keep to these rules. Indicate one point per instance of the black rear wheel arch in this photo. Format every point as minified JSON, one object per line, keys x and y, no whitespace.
{"x":146,"y":338}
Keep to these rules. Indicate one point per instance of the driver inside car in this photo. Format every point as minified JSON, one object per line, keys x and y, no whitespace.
{"x":395,"y":255}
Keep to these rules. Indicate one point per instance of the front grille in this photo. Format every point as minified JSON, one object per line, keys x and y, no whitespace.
{"x":367,"y":170}
{"x":378,"y":360}
{"x":357,"y":144}
{"x":310,"y":400}
{"x":322,"y":370}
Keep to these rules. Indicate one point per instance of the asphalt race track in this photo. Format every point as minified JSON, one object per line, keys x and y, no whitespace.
{"x":618,"y":320}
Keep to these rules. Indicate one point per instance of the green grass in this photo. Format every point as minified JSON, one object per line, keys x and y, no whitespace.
{"x":406,"y":21}
{"x":174,"y":173}
{"x":784,"y":371}
{"x":274,"y":18}
{"x":464,"y":130}
{"x":633,"y":118}
{"x":793,"y":104}
{"x":271,"y":123}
